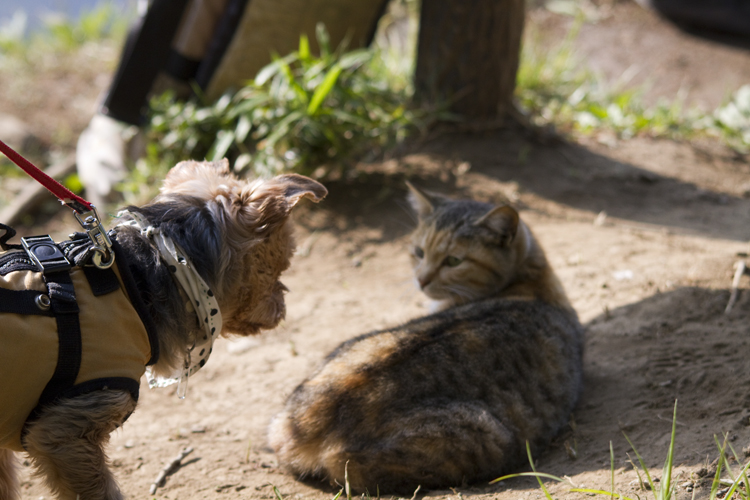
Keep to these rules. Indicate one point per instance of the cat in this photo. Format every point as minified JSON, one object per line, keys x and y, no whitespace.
{"x":453,"y":397}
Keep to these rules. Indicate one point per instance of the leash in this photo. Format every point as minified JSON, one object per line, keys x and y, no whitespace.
{"x":84,"y":211}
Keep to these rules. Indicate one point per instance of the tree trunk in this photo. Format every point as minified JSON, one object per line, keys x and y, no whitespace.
{"x":467,"y":55}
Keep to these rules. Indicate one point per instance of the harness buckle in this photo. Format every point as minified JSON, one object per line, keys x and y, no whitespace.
{"x":43,"y":251}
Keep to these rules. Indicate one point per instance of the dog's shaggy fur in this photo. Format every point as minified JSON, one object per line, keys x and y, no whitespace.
{"x":236,"y":234}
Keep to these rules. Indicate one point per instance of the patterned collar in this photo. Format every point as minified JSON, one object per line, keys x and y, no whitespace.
{"x":201,"y":301}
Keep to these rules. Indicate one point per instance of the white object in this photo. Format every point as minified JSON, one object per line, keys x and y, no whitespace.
{"x":100,"y":157}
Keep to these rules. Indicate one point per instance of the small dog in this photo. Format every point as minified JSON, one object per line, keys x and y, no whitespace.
{"x":201,"y":260}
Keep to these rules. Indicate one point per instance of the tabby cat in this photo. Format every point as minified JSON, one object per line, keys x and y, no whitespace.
{"x":453,"y":397}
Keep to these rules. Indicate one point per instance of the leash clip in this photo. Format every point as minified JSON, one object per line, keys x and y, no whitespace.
{"x":103,"y":257}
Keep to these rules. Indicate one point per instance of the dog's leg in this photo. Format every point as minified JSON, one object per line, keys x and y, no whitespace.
{"x":8,"y":475}
{"x":66,"y":444}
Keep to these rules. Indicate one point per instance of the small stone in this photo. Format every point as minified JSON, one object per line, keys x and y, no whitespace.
{"x":198,"y":429}
{"x":601,"y":218}
{"x":129,"y":443}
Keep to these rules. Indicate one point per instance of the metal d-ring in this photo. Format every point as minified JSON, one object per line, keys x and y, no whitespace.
{"x":97,"y":258}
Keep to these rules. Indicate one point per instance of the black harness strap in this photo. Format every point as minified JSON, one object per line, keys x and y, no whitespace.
{"x":25,"y":302}
{"x":65,"y":308}
{"x":8,"y":233}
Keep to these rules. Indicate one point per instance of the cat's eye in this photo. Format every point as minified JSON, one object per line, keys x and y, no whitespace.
{"x":452,"y":261}
{"x":418,"y":252}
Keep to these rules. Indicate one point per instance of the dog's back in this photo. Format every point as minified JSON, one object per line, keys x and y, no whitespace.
{"x":114,"y":344}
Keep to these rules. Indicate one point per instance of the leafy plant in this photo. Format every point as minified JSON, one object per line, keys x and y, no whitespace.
{"x":304,"y":113}
{"x":555,"y":88}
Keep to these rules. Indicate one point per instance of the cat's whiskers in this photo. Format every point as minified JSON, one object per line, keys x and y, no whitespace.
{"x":461,"y":291}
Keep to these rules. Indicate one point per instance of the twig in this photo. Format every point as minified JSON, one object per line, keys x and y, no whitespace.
{"x":740,"y":269}
{"x":414,"y":496}
{"x":170,"y":468}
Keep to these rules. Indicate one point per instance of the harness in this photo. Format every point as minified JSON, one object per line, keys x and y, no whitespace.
{"x":94,"y":318}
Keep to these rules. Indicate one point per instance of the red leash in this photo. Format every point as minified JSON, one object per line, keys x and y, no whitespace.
{"x":65,"y":195}
{"x":85,"y":212}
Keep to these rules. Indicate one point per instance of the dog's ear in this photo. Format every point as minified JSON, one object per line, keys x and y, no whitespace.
{"x":297,"y":187}
{"x":265,"y":204}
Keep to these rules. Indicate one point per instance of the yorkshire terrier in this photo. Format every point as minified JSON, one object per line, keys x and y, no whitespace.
{"x":202,"y":260}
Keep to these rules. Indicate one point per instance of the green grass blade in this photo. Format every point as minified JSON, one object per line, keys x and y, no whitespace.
{"x":283,"y":127}
{"x":277,"y":493}
{"x":528,"y":474}
{"x":741,"y":477}
{"x":600,"y":492}
{"x":665,"y":491}
{"x":637,"y":473}
{"x":268,"y":71}
{"x":717,"y":477}
{"x":243,"y":128}
{"x":324,"y":41}
{"x":324,"y":89}
{"x":355,"y":58}
{"x":539,"y":479}
{"x":304,"y":48}
{"x":643,"y":465}
{"x":224,"y":140}
{"x":612,"y":468}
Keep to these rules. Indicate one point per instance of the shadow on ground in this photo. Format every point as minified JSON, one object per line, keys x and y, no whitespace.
{"x":641,"y":358}
{"x":561,"y":173}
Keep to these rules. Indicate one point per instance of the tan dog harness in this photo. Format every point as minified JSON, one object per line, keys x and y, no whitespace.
{"x":64,"y":333}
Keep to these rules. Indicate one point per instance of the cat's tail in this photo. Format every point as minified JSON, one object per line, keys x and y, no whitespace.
{"x":427,"y":447}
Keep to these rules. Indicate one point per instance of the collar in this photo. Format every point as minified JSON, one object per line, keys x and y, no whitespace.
{"x":201,"y":301}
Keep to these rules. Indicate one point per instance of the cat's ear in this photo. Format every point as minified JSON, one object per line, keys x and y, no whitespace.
{"x":502,"y":220}
{"x":423,"y":203}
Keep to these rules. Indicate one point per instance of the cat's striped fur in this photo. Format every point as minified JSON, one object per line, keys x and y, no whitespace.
{"x":452,"y":397}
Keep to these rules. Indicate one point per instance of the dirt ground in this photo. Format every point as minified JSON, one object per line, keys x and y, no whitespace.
{"x":643,"y":234}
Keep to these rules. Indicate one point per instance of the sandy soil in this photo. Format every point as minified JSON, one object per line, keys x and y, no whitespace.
{"x":643,"y":234}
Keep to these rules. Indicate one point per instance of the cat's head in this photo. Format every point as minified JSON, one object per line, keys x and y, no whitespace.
{"x":464,"y":250}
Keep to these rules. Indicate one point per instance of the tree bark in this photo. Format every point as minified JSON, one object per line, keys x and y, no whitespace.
{"x":468,"y":54}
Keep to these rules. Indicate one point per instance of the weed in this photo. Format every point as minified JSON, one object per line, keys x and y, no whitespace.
{"x":555,"y":88}
{"x":313,"y":114}
{"x":666,"y":489}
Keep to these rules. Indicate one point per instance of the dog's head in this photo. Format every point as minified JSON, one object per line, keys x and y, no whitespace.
{"x":241,"y":225}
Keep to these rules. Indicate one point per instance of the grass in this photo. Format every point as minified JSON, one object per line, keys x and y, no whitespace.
{"x":663,"y":488}
{"x":555,"y":88}
{"x":314,"y":114}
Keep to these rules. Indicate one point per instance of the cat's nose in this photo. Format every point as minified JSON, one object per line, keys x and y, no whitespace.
{"x":424,"y":281}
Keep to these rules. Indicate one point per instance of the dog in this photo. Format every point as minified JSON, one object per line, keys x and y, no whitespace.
{"x":202,"y":260}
